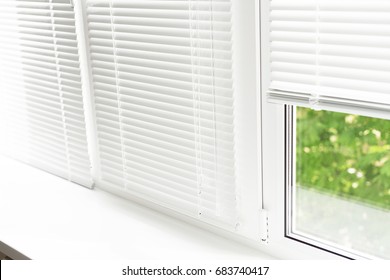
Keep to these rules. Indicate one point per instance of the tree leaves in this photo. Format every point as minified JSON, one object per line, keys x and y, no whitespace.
{"x":331,"y":145}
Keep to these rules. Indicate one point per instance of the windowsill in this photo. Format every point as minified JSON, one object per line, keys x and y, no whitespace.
{"x":45,"y":217}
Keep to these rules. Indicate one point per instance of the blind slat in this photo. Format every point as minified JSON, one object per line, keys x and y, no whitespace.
{"x":40,"y":82}
{"x":333,"y":53}
{"x":162,"y":78}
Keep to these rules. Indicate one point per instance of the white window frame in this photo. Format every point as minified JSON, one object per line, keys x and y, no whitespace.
{"x":273,"y":157}
{"x":278,"y":153}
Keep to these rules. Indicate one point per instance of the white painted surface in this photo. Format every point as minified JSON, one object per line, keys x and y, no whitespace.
{"x":45,"y":217}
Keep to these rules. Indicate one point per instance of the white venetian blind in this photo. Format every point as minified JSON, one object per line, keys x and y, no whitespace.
{"x":331,"y":54}
{"x":41,"y":110}
{"x":163,"y":93}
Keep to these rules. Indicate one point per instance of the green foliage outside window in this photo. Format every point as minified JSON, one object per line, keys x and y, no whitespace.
{"x":345,"y":155}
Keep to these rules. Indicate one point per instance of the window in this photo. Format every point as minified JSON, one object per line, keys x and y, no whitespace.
{"x":221,"y":112}
{"x":163,"y":92}
{"x":166,"y":86}
{"x":340,"y":191}
{"x":330,"y":57}
{"x":140,"y":98}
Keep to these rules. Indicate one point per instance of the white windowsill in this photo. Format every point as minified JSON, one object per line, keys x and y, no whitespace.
{"x":45,"y":217}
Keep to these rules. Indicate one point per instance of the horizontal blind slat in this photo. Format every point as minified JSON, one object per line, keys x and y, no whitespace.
{"x":330,"y":49}
{"x":41,"y":87}
{"x":163,"y":94}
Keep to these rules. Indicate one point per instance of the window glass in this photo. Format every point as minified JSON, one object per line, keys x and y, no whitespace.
{"x":341,"y":193}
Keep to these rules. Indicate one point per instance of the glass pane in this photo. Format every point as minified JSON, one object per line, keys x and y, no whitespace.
{"x":342,"y":191}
